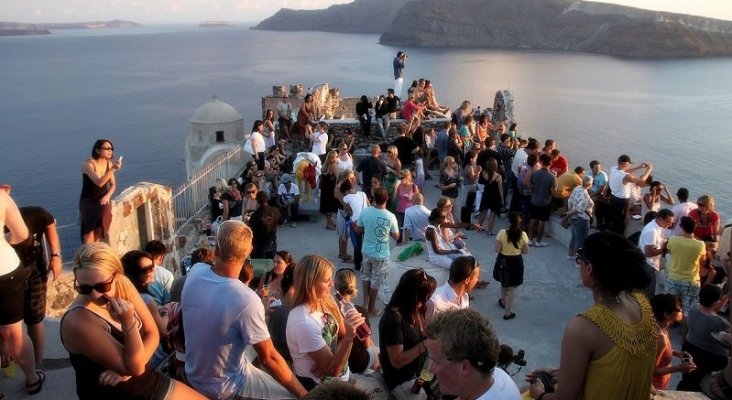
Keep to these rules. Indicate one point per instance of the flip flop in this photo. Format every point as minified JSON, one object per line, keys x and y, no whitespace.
{"x":35,"y":388}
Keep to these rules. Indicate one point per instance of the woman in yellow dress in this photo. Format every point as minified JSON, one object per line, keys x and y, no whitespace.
{"x":609,"y":350}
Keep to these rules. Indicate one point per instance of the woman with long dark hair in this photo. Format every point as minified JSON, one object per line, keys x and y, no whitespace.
{"x":609,"y":350}
{"x":511,"y":244}
{"x":257,"y":144}
{"x":401,"y":331}
{"x":491,"y":202}
{"x":97,"y":187}
{"x":273,"y":278}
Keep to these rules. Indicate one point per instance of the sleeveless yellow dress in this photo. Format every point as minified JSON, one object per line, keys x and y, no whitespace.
{"x":625,"y":372}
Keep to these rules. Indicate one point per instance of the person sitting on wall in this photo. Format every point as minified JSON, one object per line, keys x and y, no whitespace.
{"x":364,"y":117}
{"x":263,"y":223}
{"x":159,"y":289}
{"x":289,"y":196}
{"x":284,"y":116}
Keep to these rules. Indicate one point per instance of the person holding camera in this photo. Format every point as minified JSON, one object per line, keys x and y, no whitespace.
{"x":609,"y":350}
{"x":464,"y":349}
{"x":399,"y":63}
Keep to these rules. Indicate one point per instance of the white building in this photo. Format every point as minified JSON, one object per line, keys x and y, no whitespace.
{"x":216,"y":128}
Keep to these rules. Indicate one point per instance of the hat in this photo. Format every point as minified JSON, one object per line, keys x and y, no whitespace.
{"x":624,"y":158}
{"x":286,"y":178}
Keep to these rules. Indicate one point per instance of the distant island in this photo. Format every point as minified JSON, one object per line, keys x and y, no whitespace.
{"x":215,"y":24}
{"x":555,"y":25}
{"x":21,"y":28}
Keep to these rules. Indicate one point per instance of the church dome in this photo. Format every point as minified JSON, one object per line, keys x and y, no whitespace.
{"x":215,"y":112}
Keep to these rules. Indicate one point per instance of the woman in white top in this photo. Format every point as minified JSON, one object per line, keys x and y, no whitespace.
{"x":318,"y":336}
{"x":441,"y":252}
{"x":345,"y":160}
{"x":12,"y":288}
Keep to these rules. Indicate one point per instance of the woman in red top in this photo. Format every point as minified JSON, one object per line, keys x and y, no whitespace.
{"x":707,"y":230}
{"x":667,"y":310}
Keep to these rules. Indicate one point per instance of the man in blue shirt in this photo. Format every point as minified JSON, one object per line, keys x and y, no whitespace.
{"x":377,"y":224}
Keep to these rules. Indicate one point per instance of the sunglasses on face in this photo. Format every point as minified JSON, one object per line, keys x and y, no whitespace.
{"x":102,"y":287}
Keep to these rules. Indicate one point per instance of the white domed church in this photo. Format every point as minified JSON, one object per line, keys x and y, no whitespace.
{"x":216,"y":128}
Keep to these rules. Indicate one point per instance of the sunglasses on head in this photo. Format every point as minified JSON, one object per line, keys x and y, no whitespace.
{"x":102,"y":287}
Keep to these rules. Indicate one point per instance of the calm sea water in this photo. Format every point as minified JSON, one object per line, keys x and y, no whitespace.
{"x":139,"y":87}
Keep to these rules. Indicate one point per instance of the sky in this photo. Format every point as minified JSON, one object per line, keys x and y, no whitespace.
{"x":185,"y":11}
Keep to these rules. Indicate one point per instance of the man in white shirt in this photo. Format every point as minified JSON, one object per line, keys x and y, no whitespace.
{"x":652,"y":243}
{"x":289,"y":195}
{"x":463,"y":350}
{"x":319,"y":139}
{"x":454,"y":294}
{"x":682,"y":209}
{"x":222,"y":317}
{"x":416,"y":219}
{"x":284,"y":116}
{"x":620,"y":183}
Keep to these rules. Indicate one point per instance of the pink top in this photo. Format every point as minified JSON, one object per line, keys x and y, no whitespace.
{"x":404,"y":197}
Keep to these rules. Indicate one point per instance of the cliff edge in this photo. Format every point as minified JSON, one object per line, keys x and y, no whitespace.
{"x":361,"y":16}
{"x":558,"y":25}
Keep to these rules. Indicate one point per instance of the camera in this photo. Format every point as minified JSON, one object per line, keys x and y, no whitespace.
{"x":506,"y":357}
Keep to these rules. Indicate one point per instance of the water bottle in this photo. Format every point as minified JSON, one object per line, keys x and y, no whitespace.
{"x":362,"y":331}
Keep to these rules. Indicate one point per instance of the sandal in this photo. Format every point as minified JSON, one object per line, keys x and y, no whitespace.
{"x":35,"y":388}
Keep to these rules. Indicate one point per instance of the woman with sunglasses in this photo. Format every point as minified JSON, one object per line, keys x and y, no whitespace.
{"x":97,"y":187}
{"x":138,"y":267}
{"x":707,"y":230}
{"x":609,"y":350}
{"x":249,"y":201}
{"x":401,"y":333}
{"x":12,"y":287}
{"x":110,"y":334}
{"x":345,"y":159}
{"x":318,"y":337}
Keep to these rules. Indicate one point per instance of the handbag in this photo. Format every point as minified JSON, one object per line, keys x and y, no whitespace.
{"x":566,"y":223}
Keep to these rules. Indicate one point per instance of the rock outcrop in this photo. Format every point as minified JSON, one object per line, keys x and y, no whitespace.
{"x":361,"y":16}
{"x":558,"y":25}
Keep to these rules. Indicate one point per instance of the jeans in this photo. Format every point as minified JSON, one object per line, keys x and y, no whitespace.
{"x":365,"y":121}
{"x":619,"y":213}
{"x":357,"y":241}
{"x":383,"y":124}
{"x":580,"y":230}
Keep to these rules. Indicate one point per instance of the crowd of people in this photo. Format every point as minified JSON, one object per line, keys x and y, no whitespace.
{"x":295,"y":331}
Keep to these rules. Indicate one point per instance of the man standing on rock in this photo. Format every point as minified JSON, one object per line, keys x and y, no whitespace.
{"x":284,"y":116}
{"x":399,"y":63}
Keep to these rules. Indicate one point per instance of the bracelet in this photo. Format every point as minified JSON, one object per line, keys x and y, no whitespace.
{"x":541,"y":395}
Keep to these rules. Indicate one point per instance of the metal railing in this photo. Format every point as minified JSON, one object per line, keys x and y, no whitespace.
{"x":190,"y":198}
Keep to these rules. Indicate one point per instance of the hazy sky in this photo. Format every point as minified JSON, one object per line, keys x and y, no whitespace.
{"x":152,"y":11}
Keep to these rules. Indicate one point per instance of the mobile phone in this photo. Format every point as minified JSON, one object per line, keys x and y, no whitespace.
{"x":120,"y":158}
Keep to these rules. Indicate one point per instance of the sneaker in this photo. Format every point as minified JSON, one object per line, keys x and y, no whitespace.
{"x":541,"y":244}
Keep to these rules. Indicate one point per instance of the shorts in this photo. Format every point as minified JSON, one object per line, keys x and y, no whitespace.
{"x":540,"y":213}
{"x":509,"y":270}
{"x":12,"y":287}
{"x":371,"y":270}
{"x":34,"y":304}
{"x":343,"y":226}
{"x":688,"y":292}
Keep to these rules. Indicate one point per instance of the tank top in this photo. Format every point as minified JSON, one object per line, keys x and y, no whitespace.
{"x":9,"y":260}
{"x":345,"y":165}
{"x":145,"y":386}
{"x":91,"y":191}
{"x":615,"y":182}
{"x":625,"y":372}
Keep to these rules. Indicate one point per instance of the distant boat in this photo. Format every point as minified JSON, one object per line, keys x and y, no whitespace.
{"x":214,"y":24}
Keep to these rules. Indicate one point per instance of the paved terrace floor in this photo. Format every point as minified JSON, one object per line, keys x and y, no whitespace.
{"x":550,"y":296}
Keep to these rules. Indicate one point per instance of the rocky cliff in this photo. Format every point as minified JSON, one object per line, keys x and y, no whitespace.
{"x":361,"y":16}
{"x":558,"y":25}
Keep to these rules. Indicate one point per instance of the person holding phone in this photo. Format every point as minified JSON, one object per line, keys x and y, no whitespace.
{"x":110,"y":334}
{"x":97,"y":187}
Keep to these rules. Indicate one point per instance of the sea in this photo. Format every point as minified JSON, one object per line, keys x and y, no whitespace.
{"x":139,"y":88}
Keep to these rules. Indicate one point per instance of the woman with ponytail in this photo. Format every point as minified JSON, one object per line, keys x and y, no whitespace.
{"x":511,"y":244}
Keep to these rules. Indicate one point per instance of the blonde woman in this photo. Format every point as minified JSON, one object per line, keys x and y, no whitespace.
{"x":364,"y":354}
{"x":327,"y":182}
{"x":110,"y":334}
{"x":394,"y":166}
{"x":249,"y":201}
{"x":318,"y":337}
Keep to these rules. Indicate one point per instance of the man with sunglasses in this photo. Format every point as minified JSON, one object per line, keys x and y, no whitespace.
{"x":463,"y":351}
{"x":221,"y":318}
{"x":454,"y":294}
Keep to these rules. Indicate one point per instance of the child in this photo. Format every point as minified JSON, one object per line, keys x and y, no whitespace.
{"x":667,"y":310}
{"x":418,"y":169}
{"x":364,"y":354}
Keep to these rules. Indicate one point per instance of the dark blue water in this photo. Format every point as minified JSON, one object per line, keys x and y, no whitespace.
{"x":139,"y":87}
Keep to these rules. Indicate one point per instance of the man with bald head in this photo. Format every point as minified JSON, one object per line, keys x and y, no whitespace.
{"x":416,"y":219}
